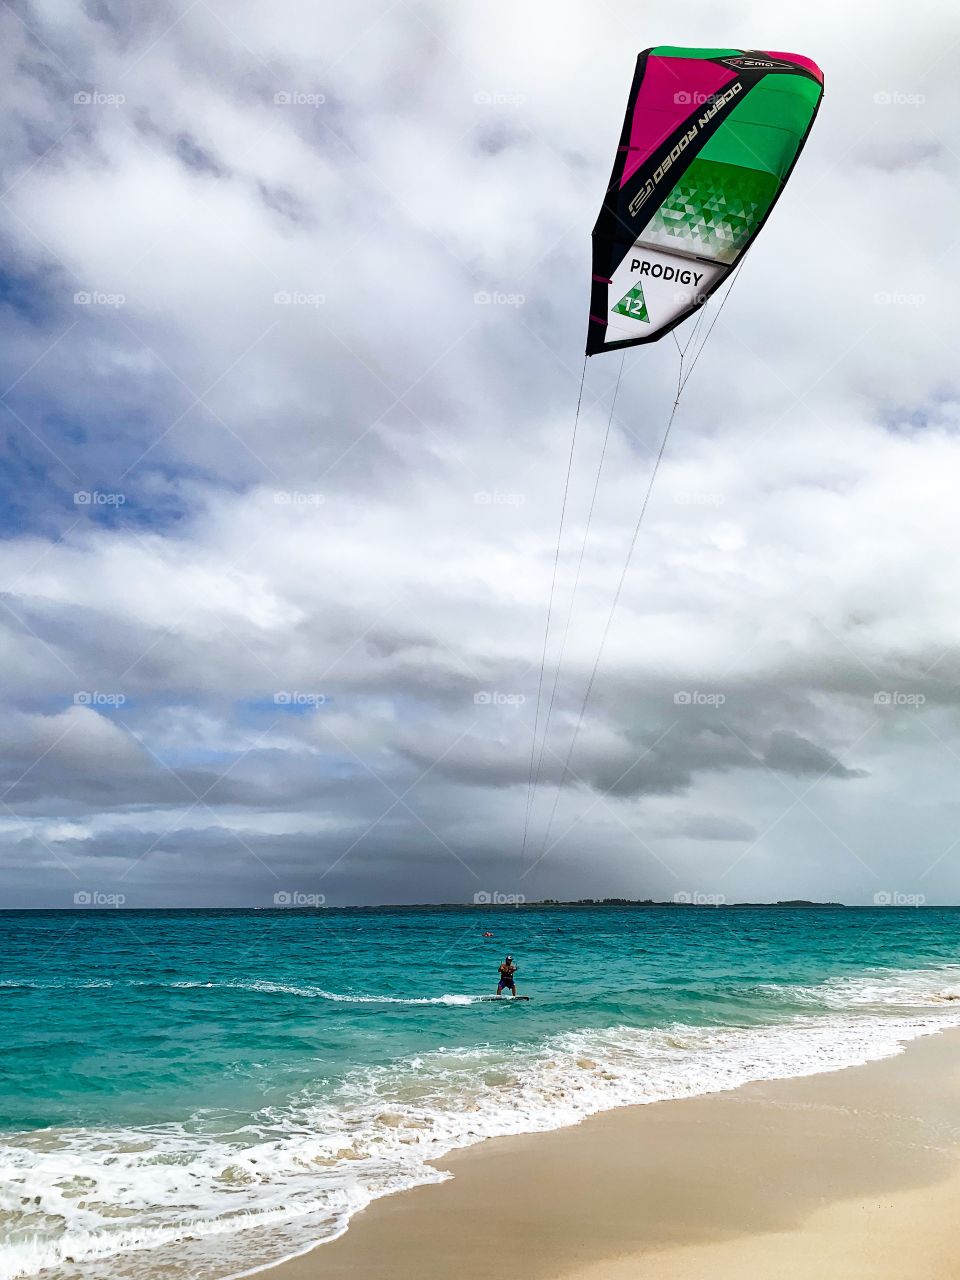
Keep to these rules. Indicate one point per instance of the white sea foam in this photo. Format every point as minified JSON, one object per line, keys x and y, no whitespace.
{"x":264,"y":986}
{"x":202,"y":1198}
{"x":318,"y":993}
{"x":882,"y":988}
{"x":312,"y":993}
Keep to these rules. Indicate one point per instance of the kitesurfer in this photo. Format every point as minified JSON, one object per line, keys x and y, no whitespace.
{"x":507,"y":970}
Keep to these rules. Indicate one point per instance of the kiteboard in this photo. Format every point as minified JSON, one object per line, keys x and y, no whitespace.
{"x":508,"y":999}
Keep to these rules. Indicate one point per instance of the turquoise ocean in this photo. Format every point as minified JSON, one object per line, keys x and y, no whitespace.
{"x":201,"y":1093}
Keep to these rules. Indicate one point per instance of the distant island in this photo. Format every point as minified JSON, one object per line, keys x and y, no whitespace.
{"x":651,"y":902}
{"x":697,"y":902}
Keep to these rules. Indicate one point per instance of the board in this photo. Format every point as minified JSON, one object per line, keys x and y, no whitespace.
{"x":508,"y":999}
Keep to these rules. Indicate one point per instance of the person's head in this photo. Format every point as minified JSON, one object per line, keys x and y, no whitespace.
{"x":509,"y":960}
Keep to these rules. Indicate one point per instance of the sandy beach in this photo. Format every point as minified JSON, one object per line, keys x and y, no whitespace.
{"x":852,"y":1173}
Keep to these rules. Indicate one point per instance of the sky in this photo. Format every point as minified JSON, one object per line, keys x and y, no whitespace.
{"x":293,"y":300}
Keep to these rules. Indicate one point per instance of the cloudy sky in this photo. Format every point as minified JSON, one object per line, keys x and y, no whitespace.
{"x":293,"y":300}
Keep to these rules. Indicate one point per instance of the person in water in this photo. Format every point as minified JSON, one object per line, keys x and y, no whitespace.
{"x":507,"y":970}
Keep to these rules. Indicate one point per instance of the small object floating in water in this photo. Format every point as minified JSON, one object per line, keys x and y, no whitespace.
{"x":488,"y":934}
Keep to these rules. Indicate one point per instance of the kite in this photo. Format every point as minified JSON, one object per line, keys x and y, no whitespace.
{"x":709,"y":140}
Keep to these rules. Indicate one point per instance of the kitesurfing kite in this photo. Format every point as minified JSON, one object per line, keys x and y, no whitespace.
{"x":709,"y":140}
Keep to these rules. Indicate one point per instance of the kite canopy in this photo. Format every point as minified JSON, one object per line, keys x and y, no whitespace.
{"x":708,"y":142}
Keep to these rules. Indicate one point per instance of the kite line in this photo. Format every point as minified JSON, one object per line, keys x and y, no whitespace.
{"x":546,"y":631}
{"x":683,"y":377}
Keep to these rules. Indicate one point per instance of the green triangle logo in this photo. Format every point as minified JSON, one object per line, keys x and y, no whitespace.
{"x":632,"y":304}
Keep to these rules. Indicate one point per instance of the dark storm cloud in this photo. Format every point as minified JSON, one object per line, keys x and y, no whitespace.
{"x":791,"y":753}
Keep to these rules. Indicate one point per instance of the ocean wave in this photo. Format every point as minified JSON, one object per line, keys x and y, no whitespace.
{"x":878,"y":988}
{"x":264,"y":987}
{"x":319,"y":993}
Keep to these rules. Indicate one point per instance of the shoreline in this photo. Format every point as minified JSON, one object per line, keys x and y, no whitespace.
{"x":761,"y":1179}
